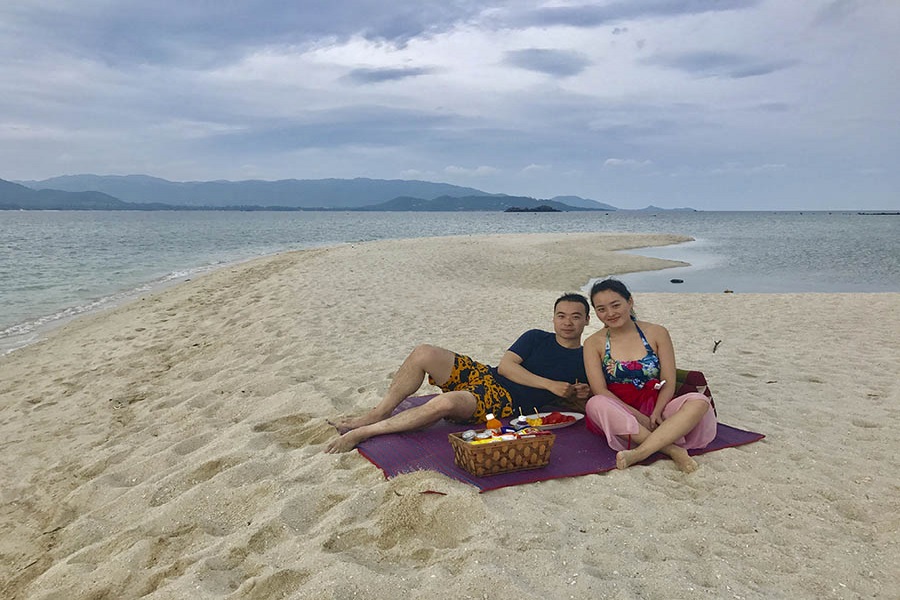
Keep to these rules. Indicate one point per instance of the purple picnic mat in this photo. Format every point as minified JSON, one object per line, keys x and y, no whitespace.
{"x":576,"y":451}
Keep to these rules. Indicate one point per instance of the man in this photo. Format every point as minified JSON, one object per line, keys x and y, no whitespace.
{"x":540,"y":368}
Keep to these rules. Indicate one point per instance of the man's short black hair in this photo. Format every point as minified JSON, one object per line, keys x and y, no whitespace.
{"x":573,"y":297}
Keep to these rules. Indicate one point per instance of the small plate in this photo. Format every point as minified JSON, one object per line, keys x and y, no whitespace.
{"x":578,"y":417}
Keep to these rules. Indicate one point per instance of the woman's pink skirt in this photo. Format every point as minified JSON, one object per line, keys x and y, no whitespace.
{"x":609,"y":417}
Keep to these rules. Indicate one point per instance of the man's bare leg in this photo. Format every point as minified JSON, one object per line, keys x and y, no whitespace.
{"x":661,"y":438}
{"x":459,"y":405}
{"x":423,"y":360}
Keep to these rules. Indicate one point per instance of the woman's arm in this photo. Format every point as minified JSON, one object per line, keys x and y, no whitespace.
{"x":593,"y":365}
{"x":662,"y":345}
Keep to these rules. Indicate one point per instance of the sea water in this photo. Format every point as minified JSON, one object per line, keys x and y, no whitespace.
{"x":55,"y":265}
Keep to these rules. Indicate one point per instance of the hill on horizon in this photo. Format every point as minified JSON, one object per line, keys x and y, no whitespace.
{"x":293,"y":193}
{"x":469,"y":203}
{"x":14,"y":196}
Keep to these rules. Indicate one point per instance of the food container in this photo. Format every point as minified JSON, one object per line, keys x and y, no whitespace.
{"x":503,"y":456}
{"x":519,"y":423}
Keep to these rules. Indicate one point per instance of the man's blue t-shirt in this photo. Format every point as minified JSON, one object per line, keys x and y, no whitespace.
{"x":542,"y":355}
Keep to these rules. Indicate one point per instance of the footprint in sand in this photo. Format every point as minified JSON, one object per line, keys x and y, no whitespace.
{"x":176,"y":485}
{"x":118,"y":480}
{"x":268,"y":537}
{"x":348,"y":540}
{"x":193,"y":444}
{"x":296,"y":431}
{"x":308,"y":508}
{"x":97,"y":467}
{"x":278,"y":585}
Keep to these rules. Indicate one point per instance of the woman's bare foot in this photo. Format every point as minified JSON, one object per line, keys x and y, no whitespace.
{"x":679,"y":456}
{"x":683,"y":460}
{"x":625,"y":458}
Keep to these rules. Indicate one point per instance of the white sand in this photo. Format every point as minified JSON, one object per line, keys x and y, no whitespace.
{"x":172,"y":448}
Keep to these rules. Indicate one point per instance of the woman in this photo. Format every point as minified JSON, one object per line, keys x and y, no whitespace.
{"x":630,"y":365}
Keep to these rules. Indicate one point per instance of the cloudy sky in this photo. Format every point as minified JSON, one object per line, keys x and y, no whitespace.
{"x":717,"y":104}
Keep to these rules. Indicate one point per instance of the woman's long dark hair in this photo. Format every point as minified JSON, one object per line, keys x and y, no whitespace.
{"x":613,"y":285}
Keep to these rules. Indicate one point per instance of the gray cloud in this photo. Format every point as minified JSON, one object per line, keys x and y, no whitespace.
{"x":774,"y":107}
{"x":381,"y":75}
{"x":837,"y":11}
{"x":276,"y":89}
{"x":719,"y":64}
{"x":194,"y":33}
{"x":560,"y":63}
{"x":353,"y":125}
{"x":593,"y":15}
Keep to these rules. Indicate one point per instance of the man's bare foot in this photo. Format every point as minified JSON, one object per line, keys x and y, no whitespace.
{"x":345,"y":424}
{"x":345,"y":442}
{"x":683,"y":461}
{"x":625,"y":458}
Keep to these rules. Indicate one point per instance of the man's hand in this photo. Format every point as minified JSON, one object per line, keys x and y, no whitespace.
{"x":570,"y":391}
{"x":561,"y":389}
{"x":582,"y":391}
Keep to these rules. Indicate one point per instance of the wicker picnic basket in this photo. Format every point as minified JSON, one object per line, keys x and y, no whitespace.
{"x":504,"y":456}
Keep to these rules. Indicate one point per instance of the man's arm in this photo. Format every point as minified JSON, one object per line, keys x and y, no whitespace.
{"x":511,"y":367}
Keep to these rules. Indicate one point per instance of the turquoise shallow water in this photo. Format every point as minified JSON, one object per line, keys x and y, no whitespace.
{"x":56,"y":265}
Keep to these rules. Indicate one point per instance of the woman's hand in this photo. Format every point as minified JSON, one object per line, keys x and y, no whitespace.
{"x":644,"y":421}
{"x":656,"y":419}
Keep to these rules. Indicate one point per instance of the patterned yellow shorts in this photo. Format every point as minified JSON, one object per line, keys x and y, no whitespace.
{"x":473,"y":377}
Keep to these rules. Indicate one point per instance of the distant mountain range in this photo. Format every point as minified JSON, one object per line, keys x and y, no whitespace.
{"x":141,"y":192}
{"x":471,"y":203}
{"x":18,"y":197}
{"x":291,"y":193}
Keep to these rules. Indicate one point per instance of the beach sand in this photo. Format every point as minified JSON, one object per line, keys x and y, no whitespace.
{"x":172,"y":447}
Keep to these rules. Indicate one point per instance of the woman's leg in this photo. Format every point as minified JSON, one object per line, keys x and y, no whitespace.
{"x":662,"y":439}
{"x":609,"y":417}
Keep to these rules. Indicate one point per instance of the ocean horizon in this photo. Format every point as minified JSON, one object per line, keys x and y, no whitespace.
{"x":57,"y":265}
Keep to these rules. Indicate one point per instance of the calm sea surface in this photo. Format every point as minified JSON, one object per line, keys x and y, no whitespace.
{"x":56,"y":265}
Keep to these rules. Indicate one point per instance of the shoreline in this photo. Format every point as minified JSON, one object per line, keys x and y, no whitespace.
{"x":42,"y":326}
{"x":172,"y":446}
{"x":38,"y":328}
{"x":743,"y":270}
